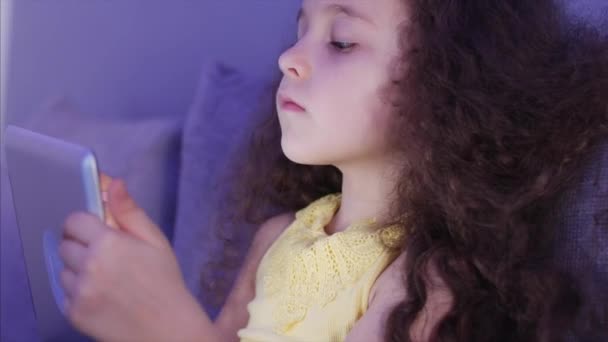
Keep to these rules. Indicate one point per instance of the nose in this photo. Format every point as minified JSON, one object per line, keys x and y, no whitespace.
{"x":294,"y":63}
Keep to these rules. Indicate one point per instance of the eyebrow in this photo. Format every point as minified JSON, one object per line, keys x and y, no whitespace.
{"x":337,"y":9}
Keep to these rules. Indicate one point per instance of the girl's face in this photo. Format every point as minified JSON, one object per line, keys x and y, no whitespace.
{"x":336,"y":71}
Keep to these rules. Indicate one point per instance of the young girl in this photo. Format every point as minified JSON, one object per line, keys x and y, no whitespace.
{"x":416,"y":150}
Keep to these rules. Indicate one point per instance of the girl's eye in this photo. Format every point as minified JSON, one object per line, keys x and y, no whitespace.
{"x":342,"y":46}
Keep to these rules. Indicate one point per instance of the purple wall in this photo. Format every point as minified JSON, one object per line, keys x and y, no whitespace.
{"x":119,"y":57}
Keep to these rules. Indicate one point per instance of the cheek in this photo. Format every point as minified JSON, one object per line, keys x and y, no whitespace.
{"x":358,"y":110}
{"x":356,"y":130}
{"x":349,"y":121}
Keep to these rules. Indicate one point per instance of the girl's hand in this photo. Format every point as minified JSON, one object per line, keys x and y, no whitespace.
{"x":123,"y":283}
{"x":105,"y":181}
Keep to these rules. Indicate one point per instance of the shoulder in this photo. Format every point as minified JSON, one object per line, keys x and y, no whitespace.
{"x":234,"y":315}
{"x":269,"y":231}
{"x":386,"y":293}
{"x":391,"y":282}
{"x":265,"y":236}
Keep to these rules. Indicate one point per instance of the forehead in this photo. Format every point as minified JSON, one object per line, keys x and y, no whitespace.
{"x":372,"y":11}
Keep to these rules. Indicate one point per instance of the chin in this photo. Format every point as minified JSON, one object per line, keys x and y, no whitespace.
{"x":301,"y":153}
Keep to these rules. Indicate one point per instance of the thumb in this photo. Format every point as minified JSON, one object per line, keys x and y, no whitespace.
{"x":130,"y":218}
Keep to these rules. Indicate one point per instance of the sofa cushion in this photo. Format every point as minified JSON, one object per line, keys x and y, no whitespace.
{"x":221,"y":116}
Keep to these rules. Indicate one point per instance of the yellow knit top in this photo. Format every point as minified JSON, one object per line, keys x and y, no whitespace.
{"x":311,"y":286}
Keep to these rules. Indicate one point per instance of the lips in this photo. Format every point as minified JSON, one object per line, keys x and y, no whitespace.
{"x":287,"y":103}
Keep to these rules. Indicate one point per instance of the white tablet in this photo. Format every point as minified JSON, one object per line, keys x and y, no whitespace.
{"x":50,"y":178}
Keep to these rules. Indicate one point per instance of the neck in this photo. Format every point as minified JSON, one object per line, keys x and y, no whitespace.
{"x":367,"y":192}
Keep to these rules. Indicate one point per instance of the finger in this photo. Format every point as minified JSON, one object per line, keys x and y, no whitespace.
{"x":104,"y":181}
{"x":108,"y":218}
{"x":83,"y":227}
{"x":131,"y":218}
{"x":72,"y":254}
{"x":104,"y":185}
{"x":107,"y":213}
{"x":68,"y":282}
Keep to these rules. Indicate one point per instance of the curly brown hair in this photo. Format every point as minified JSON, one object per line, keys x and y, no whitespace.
{"x":500,"y":103}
